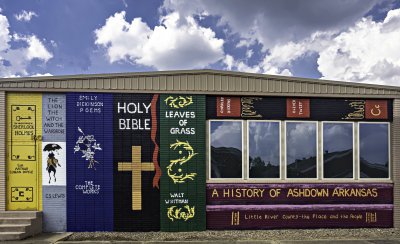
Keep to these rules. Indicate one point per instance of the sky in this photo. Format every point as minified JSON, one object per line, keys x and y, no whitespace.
{"x":226,"y":134}
{"x":264,"y":138}
{"x":301,"y":140}
{"x":347,"y":40}
{"x":338,"y":137}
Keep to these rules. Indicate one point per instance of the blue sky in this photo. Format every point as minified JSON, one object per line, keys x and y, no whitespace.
{"x":352,"y":40}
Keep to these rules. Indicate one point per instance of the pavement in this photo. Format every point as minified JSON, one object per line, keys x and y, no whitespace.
{"x":61,"y":238}
{"x":44,"y":238}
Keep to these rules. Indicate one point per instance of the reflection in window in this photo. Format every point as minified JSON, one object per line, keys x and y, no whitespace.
{"x":338,"y":150}
{"x":374,"y":150}
{"x":301,"y":149}
{"x":226,"y":149}
{"x":264,"y":150}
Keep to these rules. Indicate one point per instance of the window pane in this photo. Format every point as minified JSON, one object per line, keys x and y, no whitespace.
{"x":226,"y":149}
{"x":374,"y":150}
{"x":264,"y":149}
{"x":338,"y":150}
{"x":301,"y":148}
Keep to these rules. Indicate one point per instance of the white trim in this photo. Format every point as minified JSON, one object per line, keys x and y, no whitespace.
{"x":322,"y":146}
{"x":283,"y":157}
{"x":356,"y":151}
{"x":302,"y":181}
{"x":209,"y":148}
{"x":282,"y":144}
{"x":389,"y":151}
{"x":316,"y":148}
{"x":247,"y":164}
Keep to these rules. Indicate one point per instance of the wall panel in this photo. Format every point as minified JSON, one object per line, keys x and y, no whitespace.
{"x":265,"y":206}
{"x":182,"y":162}
{"x":3,"y":149}
{"x":89,"y":161}
{"x":136,"y":168}
{"x":24,"y":132}
{"x":54,"y":164}
{"x":335,"y":109}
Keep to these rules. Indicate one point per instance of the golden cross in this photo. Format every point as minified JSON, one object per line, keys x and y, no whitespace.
{"x":136,"y":166}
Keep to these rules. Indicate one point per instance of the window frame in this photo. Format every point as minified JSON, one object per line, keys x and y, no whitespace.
{"x":389,"y":153}
{"x":354,"y":149}
{"x":316,"y":151}
{"x":283,"y":157}
{"x":247,"y":163}
{"x":209,"y":150}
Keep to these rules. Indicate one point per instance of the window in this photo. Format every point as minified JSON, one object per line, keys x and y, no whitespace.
{"x":250,"y":150}
{"x":301,"y":149}
{"x":264,"y":149}
{"x":338,"y":150}
{"x":374,"y":150}
{"x":226,"y":149}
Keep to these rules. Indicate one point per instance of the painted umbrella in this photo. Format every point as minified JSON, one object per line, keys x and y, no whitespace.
{"x":51,"y":147}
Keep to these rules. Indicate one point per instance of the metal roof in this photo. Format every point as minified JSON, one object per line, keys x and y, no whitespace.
{"x":198,"y":82}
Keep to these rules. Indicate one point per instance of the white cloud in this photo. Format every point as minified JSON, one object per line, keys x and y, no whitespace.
{"x":25,"y":16}
{"x":249,"y":53}
{"x":177,"y":43}
{"x":281,"y":56}
{"x":264,"y":141}
{"x":301,"y":140}
{"x":4,"y":33}
{"x":53,"y":43}
{"x":337,"y":136}
{"x":367,"y":52}
{"x":45,"y":74}
{"x":14,"y":62}
{"x":35,"y":48}
{"x":276,"y":22}
{"x":232,"y":64}
{"x":245,"y":43}
{"x":125,"y":4}
{"x":226,"y":134}
{"x":347,"y":46}
{"x":229,"y":61}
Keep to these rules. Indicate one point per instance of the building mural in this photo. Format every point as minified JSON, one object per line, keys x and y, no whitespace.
{"x":299,"y":216}
{"x":136,"y":162}
{"x":262,"y":206}
{"x":89,"y":161}
{"x":24,"y":135}
{"x":54,"y":163}
{"x":328,"y":193}
{"x":182,"y":162}
{"x":298,"y":108}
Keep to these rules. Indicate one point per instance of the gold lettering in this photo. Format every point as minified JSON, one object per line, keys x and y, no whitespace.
{"x":249,"y":193}
{"x":377,"y":113}
{"x":215,"y":192}
{"x":359,"y":108}
{"x":255,"y":192}
{"x":290,"y":193}
{"x":238,"y":194}
{"x":247,"y":107}
{"x":262,"y":192}
{"x":374,"y":192}
{"x":226,"y":192}
{"x":314,"y":192}
{"x":235,"y":218}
